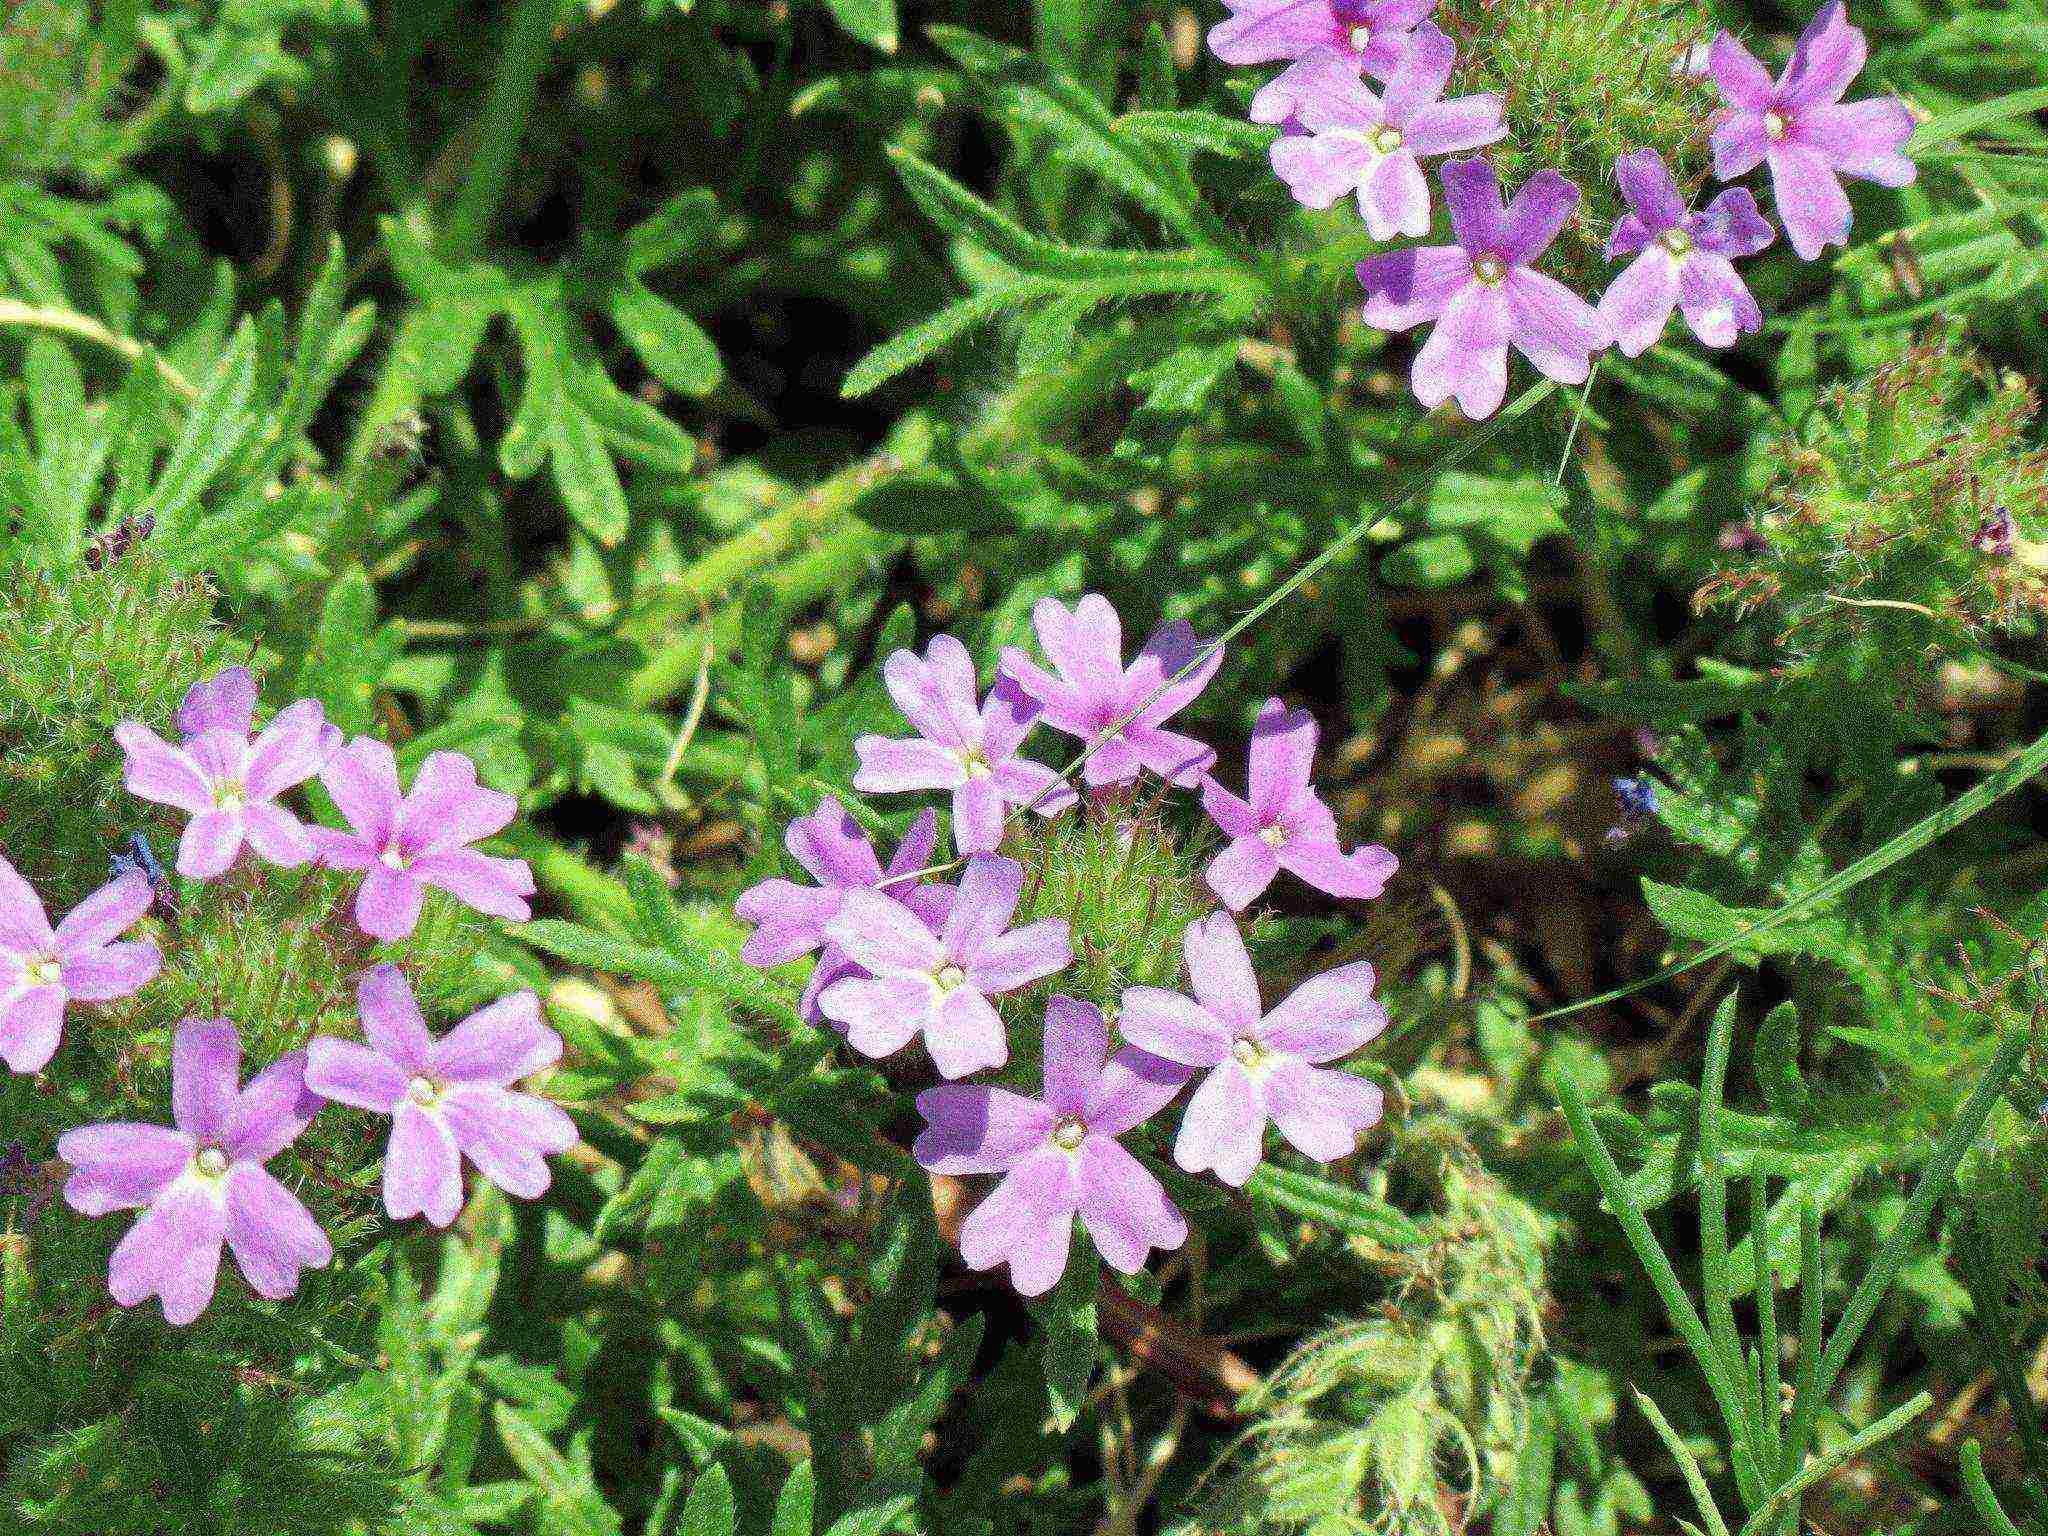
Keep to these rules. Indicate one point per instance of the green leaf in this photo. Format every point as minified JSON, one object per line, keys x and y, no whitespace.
{"x":794,"y":1506}
{"x":929,"y":501}
{"x":1432,"y":561}
{"x":872,"y":21}
{"x":1351,"y":1211}
{"x":568,"y":1491}
{"x":709,"y":1510}
{"x":671,"y":344}
{"x":1070,"y":1345}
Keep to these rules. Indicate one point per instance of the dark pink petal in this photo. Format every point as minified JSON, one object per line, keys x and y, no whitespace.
{"x":1419,"y":79}
{"x":1124,"y":1207}
{"x":392,"y":1021}
{"x":1359,"y":875}
{"x":1740,"y":144}
{"x":1862,"y":139}
{"x":422,"y":1170}
{"x":159,"y":772}
{"x":277,"y":835}
{"x":351,"y":1073}
{"x":206,"y":1060}
{"x":104,"y":915}
{"x":495,"y":886}
{"x":1242,"y":871}
{"x":1467,"y":354}
{"x":884,"y":936}
{"x":31,"y":1024}
{"x":447,"y":809}
{"x":1717,"y":303}
{"x":1223,"y":1128}
{"x":290,"y":751}
{"x":1743,"y":82}
{"x":497,"y":1045}
{"x":1261,"y":31}
{"x":508,"y":1135}
{"x":1828,"y":55}
{"x":988,"y":897}
{"x":1061,"y":705}
{"x":1472,"y":192}
{"x":1327,"y":1016}
{"x":1085,"y":644}
{"x":273,"y":1236}
{"x":1553,"y":327}
{"x":1393,"y":196}
{"x":1178,"y":759}
{"x":1731,"y":225}
{"x":118,"y":1166}
{"x":1318,"y":88}
{"x":1026,"y":1222}
{"x":1007,"y":715}
{"x":270,"y":1113}
{"x":892,"y":767}
{"x":172,"y":1252}
{"x":1321,"y":1111}
{"x":1115,"y":761}
{"x":211,"y":841}
{"x":224,"y":702}
{"x":1076,"y":1046}
{"x":831,"y":847}
{"x":919,"y":843}
{"x":1221,"y":972}
{"x":1170,"y":673}
{"x":1172,"y":1027}
{"x":1811,"y":203}
{"x":115,"y":970}
{"x":1537,"y":216}
{"x":1283,"y":755}
{"x":1320,"y":168}
{"x":965,"y":1035}
{"x":1133,"y":1088}
{"x":972,"y":1129}
{"x":1025,"y":783}
{"x":1629,"y":237}
{"x":1405,"y":288}
{"x":1647,"y":184}
{"x":363,"y":779}
{"x":1233,"y":816}
{"x":1022,"y":956}
{"x":880,"y":1015}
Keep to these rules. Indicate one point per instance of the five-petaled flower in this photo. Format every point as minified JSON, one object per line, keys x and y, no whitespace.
{"x":448,"y":1098}
{"x":1800,"y":125}
{"x":203,"y":1182}
{"x":411,"y":841}
{"x":1483,"y":293}
{"x":44,"y":968}
{"x":1261,"y":1066}
{"x":790,"y":919}
{"x":1285,"y":824}
{"x":1058,"y":1155}
{"x":1370,"y":33}
{"x":227,"y":782}
{"x":1120,"y":711}
{"x":968,"y":749}
{"x":1355,"y":139}
{"x":938,"y":984}
{"x":1682,"y":259}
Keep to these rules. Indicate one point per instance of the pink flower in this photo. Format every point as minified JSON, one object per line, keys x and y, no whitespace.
{"x":835,"y":852}
{"x":1484,"y":294}
{"x":1058,"y":1155}
{"x":1370,"y":33}
{"x":969,"y":750}
{"x":43,"y":968}
{"x":1090,"y":690}
{"x":1261,"y":1066}
{"x":939,"y":984}
{"x":1800,"y":124}
{"x":410,"y":842}
{"x":204,"y":1182}
{"x":228,"y":783}
{"x":1285,"y":824}
{"x":1355,"y":140}
{"x":448,"y":1098}
{"x":1682,"y":259}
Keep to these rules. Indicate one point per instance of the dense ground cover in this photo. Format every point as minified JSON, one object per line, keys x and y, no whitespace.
{"x":865,"y":767}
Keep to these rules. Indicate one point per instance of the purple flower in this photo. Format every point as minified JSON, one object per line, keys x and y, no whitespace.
{"x":228,"y":783}
{"x":1370,"y":33}
{"x":43,"y":968}
{"x":448,"y":1098}
{"x":1356,"y":140}
{"x":939,"y":984}
{"x":1681,"y":259}
{"x":203,"y":1182}
{"x":1483,"y":294}
{"x":832,"y":848}
{"x":410,"y":842}
{"x":1800,"y":124}
{"x":1090,"y":690}
{"x":1260,"y":1068}
{"x":971,"y":751}
{"x":1058,"y":1155}
{"x":1285,"y":824}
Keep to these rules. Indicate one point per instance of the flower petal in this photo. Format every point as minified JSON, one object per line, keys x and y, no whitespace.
{"x":1732,"y":225}
{"x":447,"y":808}
{"x":1393,"y":197}
{"x":1221,"y":972}
{"x":172,"y":1252}
{"x":1553,"y":327}
{"x":977,"y":815}
{"x":118,"y":1165}
{"x":988,"y":897}
{"x":155,"y":770}
{"x":1537,"y":216}
{"x":1260,"y":32}
{"x":1740,"y":144}
{"x":965,"y":1035}
{"x":1828,"y":55}
{"x":1319,"y":168}
{"x":104,"y":915}
{"x":24,"y":924}
{"x":31,"y":1025}
{"x":211,"y":841}
{"x":973,"y":1129}
{"x":1242,"y":871}
{"x":1133,"y":1088}
{"x":422,"y":1170}
{"x":1021,"y":956}
{"x":1076,"y":1046}
{"x":224,"y":702}
{"x":1026,"y":1222}
{"x":936,"y":692}
{"x":494,"y":886}
{"x":388,"y":904}
{"x":1173,"y":1027}
{"x":1405,"y":288}
{"x":1085,"y":643}
{"x":270,"y":1113}
{"x":273,"y":1236}
{"x":99,"y":975}
{"x":1744,"y":82}
{"x":392,"y":1021}
{"x":1359,"y":875}
{"x":508,"y":1135}
{"x":1862,"y":139}
{"x":206,"y":1060}
{"x":1454,"y":126}
{"x":1318,"y":89}
{"x":349,"y":1072}
{"x":1224,"y":1126}
{"x":1124,"y":1206}
{"x":1811,"y":203}
{"x":1717,"y":303}
{"x":884,"y":936}
{"x":1327,"y":1016}
{"x":832,"y":848}
{"x":290,"y":751}
{"x":363,"y":780}
{"x":1321,"y":1111}
{"x":1637,"y":305}
{"x":1467,"y":354}
{"x":879,"y":1014}
{"x":497,"y":1045}
{"x":1646,"y":183}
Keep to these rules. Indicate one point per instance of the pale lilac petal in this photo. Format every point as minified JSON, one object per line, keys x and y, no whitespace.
{"x":1062,"y":706}
{"x":497,"y":1045}
{"x":1393,"y":196}
{"x":1173,"y":1027}
{"x":1116,"y":761}
{"x":157,"y":771}
{"x":446,"y":808}
{"x":1732,"y":225}
{"x":832,"y":848}
{"x":1022,"y":956}
{"x":988,"y":897}
{"x":1327,"y":1016}
{"x":494,"y":886}
{"x":1467,"y":354}
{"x":1359,"y":875}
{"x":884,"y":936}
{"x":1740,"y":144}
{"x":349,"y":1072}
{"x":1133,"y":1088}
{"x":24,"y":925}
{"x":1076,"y":1049}
{"x":1156,"y":681}
{"x":273,"y":1236}
{"x":210,"y":843}
{"x":172,"y":1252}
{"x":1084,"y":643}
{"x":1716,"y":302}
{"x":277,"y":835}
{"x":1223,"y":1128}
{"x":1829,"y":54}
{"x":1221,"y":972}
{"x":1742,"y":80}
{"x":1242,"y":871}
{"x":1320,"y":168}
{"x":1862,"y":139}
{"x":978,"y":808}
{"x":1553,"y":327}
{"x":1026,"y":1221}
{"x":206,"y":1060}
{"x":341,"y":850}
{"x":1638,"y":304}
{"x":119,"y":1165}
{"x":880,"y":1015}
{"x":1419,"y":79}
{"x":918,"y":845}
{"x":1321,"y":86}
{"x":1647,"y":184}
{"x":966,"y":1035}
{"x":115,"y":970}
{"x":1035,"y":785}
{"x":104,"y":915}
{"x":363,"y":780}
{"x":1451,"y":127}
{"x":270,"y":1113}
{"x":1537,"y":216}
{"x":777,"y":941}
{"x":224,"y":702}
{"x":290,"y":750}
{"x":1262,"y":33}
{"x":31,"y":1024}
{"x":392,"y":1021}
{"x":1124,"y":1207}
{"x":1320,"y":1111}
{"x":936,"y":692}
{"x":1178,"y":759}
{"x":422,"y":1169}
{"x":1811,"y":203}
{"x":508,"y":1135}
{"x":972,"y":1129}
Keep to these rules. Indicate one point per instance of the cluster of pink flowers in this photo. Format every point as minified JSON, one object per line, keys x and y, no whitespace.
{"x":200,"y":1182}
{"x":902,"y":957}
{"x":1483,"y":294}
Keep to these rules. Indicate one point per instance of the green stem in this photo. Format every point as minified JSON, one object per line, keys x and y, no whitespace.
{"x":528,"y":44}
{"x":66,"y":322}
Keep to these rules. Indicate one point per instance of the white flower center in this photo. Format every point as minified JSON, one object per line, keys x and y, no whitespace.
{"x":230,"y":795}
{"x":1387,"y":140}
{"x":1775,"y":124}
{"x":976,"y":765}
{"x":423,"y":1091}
{"x":1676,"y":241}
{"x":1274,"y":836}
{"x":1250,"y":1054}
{"x":211,"y":1162}
{"x":393,"y":857}
{"x":1069,"y":1133}
{"x":45,"y":972}
{"x":949,"y":977}
{"x":1490,"y":270}
{"x":1360,"y":37}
